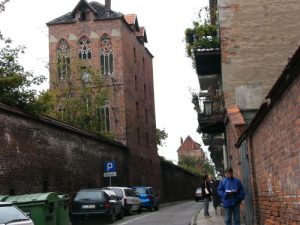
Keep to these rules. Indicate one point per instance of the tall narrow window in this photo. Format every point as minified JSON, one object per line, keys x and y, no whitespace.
{"x":145,"y":91}
{"x":147,"y":139}
{"x":84,"y":49}
{"x":138,"y":135}
{"x":146,"y":116}
{"x":134,"y":54}
{"x":135,"y":83}
{"x":137,"y":110}
{"x":143,"y":64}
{"x":106,"y":55}
{"x":103,"y":114}
{"x":63,"y":59}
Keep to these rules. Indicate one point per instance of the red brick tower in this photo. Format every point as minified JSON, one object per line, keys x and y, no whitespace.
{"x":113,"y":43}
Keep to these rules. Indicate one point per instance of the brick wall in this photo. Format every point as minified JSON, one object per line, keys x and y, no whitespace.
{"x":185,"y":183}
{"x":276,"y":157}
{"x":257,"y":38}
{"x":40,"y":155}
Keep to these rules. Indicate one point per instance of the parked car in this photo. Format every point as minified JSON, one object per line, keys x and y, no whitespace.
{"x":130,"y":201}
{"x":198,"y":195}
{"x":148,"y":197}
{"x":95,"y":204}
{"x":11,"y":215}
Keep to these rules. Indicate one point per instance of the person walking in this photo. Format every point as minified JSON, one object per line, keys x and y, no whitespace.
{"x":232,"y":194}
{"x":216,"y":197}
{"x":206,"y":193}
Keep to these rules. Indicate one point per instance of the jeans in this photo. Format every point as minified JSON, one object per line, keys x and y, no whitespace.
{"x":206,"y":205}
{"x":235,"y":211}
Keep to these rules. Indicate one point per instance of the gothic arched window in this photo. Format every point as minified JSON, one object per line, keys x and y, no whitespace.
{"x":106,"y":55}
{"x":84,"y":48}
{"x":63,"y":59}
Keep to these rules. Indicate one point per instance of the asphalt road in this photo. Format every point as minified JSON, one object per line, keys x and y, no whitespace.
{"x":178,"y":214}
{"x":175,"y":214}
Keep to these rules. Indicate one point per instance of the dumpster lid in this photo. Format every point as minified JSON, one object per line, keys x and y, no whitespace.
{"x":38,"y":197}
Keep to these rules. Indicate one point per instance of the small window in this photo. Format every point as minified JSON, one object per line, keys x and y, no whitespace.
{"x":84,"y":49}
{"x":135,"y":83}
{"x":137,"y":110}
{"x":138,"y":135}
{"x":146,"y":116}
{"x":134,"y":54}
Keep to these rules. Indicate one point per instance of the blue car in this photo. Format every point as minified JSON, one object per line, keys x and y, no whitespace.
{"x":149,"y":199}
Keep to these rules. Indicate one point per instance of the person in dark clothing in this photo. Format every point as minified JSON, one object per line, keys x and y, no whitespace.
{"x":206,"y":193}
{"x":216,"y":197}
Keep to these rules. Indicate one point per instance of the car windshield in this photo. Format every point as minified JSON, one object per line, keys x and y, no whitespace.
{"x":140,"y":190}
{"x":89,"y":195}
{"x":10,"y":214}
{"x":118,"y":192}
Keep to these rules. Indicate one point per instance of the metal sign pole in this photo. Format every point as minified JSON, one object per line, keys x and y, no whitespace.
{"x":110,"y":181}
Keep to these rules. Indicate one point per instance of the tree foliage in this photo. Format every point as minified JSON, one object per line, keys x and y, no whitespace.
{"x":78,"y":99}
{"x":15,"y":82}
{"x":197,"y":165}
{"x":203,"y":34}
{"x":161,"y":136}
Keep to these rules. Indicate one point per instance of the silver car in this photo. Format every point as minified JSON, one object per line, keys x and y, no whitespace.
{"x":130,"y":201}
{"x":11,"y":215}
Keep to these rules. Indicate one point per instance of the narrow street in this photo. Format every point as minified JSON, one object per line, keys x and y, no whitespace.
{"x":178,"y":214}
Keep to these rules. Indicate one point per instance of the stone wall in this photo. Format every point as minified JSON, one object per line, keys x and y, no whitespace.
{"x":40,"y":155}
{"x":178,"y":184}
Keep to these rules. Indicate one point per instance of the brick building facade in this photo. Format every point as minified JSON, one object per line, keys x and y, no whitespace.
{"x":257,"y":41}
{"x":114,"y":45}
{"x":189,"y":147}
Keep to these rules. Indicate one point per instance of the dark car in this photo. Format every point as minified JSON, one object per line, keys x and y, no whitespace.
{"x":198,"y":195}
{"x":11,"y":215}
{"x":149,"y":199}
{"x":96,"y":204}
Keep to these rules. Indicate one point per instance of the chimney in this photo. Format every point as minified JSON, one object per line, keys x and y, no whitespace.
{"x":108,"y":4}
{"x":181,"y":140}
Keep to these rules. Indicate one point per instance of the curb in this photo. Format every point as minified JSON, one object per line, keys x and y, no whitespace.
{"x":195,"y":216}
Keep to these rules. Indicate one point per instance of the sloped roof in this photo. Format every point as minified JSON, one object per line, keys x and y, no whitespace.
{"x":142,"y":34}
{"x":235,"y":116}
{"x":132,"y":21}
{"x":188,"y":145}
{"x":99,"y":10}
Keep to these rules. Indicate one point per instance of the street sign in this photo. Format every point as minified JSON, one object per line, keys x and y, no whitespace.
{"x":110,"y":169}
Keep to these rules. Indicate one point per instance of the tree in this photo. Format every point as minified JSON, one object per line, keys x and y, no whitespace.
{"x":79,"y":99}
{"x":198,"y":165}
{"x":161,"y":136}
{"x":15,"y":82}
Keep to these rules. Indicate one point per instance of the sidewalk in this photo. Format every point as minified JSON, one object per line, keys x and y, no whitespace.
{"x":214,"y":219}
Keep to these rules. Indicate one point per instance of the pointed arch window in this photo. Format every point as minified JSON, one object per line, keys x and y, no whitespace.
{"x":84,"y":49}
{"x":106,"y":55}
{"x":103,"y":115}
{"x":63,"y":59}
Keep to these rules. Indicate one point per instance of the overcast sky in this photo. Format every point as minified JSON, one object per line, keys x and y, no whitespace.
{"x":24,"y":21}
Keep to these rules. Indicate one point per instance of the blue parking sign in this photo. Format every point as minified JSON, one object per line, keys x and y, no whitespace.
{"x":110,"y":166}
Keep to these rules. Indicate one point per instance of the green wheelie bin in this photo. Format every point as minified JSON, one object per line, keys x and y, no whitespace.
{"x":40,"y":207}
{"x":63,"y":210}
{"x":3,"y":198}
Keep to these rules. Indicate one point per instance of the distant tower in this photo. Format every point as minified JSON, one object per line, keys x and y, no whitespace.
{"x":189,"y":147}
{"x":113,"y":44}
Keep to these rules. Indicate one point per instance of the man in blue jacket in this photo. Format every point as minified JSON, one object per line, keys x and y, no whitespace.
{"x":232,"y":194}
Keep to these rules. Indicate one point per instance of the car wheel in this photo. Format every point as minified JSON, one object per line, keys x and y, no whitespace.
{"x":129,"y":210}
{"x":121,"y":214}
{"x":156,"y":208}
{"x":112,"y":217}
{"x":139,"y":210}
